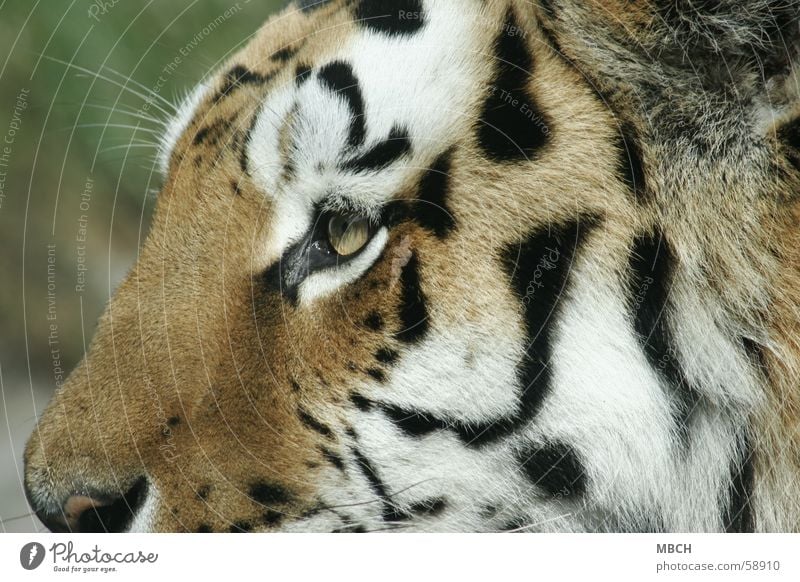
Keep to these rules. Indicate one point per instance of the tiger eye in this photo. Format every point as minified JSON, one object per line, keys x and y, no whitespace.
{"x":348,"y":234}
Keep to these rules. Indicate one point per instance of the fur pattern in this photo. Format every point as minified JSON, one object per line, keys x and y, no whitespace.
{"x":578,"y":309}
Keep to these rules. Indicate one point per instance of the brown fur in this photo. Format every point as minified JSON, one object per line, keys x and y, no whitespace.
{"x":190,"y":335}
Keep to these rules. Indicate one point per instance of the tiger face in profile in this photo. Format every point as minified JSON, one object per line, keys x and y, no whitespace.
{"x":427,"y":265}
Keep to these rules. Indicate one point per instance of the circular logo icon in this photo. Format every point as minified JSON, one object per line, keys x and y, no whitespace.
{"x":31,"y":555}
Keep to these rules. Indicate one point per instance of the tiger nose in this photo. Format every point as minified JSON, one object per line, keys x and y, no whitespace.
{"x":95,"y":512}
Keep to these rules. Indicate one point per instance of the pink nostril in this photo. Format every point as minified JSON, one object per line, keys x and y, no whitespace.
{"x":76,"y":506}
{"x":96,"y":513}
{"x":68,"y":519}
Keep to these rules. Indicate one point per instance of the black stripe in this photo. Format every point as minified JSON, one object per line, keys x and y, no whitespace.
{"x":386,"y":356}
{"x":413,"y":304}
{"x":428,"y":507}
{"x":362,"y":403}
{"x":301,"y":74}
{"x":477,"y":434}
{"x":285,"y":53}
{"x":244,"y":161}
{"x":338,"y":77}
{"x":376,"y":374}
{"x":789,"y":134}
{"x":630,"y":166}
{"x":239,"y":76}
{"x":416,"y":423}
{"x":512,"y":127}
{"x":539,"y":268}
{"x":350,"y":528}
{"x":413,"y":423}
{"x":651,"y":264}
{"x":390,"y":512}
{"x":394,"y":147}
{"x":547,"y":8}
{"x":269,"y":493}
{"x":314,"y":424}
{"x":391,"y":17}
{"x":212,"y":133}
{"x":755,"y":352}
{"x":515,"y":524}
{"x":555,"y":468}
{"x":430,"y":209}
{"x":332,"y":458}
{"x":738,"y":516}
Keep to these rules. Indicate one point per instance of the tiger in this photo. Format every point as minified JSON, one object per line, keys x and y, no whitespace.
{"x":458,"y":266}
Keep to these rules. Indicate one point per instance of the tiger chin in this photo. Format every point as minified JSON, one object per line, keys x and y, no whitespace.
{"x":438,"y":265}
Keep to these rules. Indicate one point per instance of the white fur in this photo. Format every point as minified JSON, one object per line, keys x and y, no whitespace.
{"x":144,"y":520}
{"x":178,"y":124}
{"x":326,"y":281}
{"x":435,"y":376}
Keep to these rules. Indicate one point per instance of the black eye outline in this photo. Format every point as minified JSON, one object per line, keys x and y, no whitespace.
{"x":350,"y":229}
{"x":321,"y":252}
{"x":312,"y":253}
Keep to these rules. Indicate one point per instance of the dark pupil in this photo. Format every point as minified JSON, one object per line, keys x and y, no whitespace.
{"x":340,"y":226}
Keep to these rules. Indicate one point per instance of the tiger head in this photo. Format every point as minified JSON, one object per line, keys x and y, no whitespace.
{"x":422,"y":265}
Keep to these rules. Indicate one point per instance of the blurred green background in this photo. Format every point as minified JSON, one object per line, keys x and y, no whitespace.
{"x":77,"y":175}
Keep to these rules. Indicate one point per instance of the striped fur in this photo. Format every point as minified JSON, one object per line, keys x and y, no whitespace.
{"x":577,"y":309}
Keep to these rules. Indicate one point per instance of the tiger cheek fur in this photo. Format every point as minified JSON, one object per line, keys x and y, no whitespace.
{"x":414,"y":268}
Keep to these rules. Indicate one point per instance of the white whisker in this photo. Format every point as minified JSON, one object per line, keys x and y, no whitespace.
{"x":124,"y":87}
{"x":538,"y":523}
{"x":131,"y":113}
{"x":376,"y":499}
{"x":135,"y":128}
{"x":148,"y":90}
{"x":132,"y":145}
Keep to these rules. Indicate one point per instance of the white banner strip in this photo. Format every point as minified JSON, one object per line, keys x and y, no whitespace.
{"x":400,"y":557}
